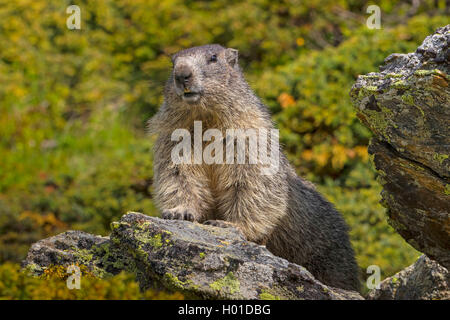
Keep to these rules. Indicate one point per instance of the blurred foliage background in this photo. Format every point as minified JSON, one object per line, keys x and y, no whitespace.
{"x":73,"y":107}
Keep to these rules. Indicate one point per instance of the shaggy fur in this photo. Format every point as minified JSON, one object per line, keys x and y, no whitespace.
{"x":282,"y":211}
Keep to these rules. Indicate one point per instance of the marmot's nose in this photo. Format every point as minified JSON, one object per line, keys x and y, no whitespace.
{"x":182,"y":75}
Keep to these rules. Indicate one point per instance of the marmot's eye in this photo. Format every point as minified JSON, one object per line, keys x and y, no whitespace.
{"x":213,"y":58}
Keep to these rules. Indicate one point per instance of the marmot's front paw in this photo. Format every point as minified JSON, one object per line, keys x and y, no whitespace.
{"x":179,"y":213}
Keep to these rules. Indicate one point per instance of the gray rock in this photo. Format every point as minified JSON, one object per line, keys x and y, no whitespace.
{"x":425,"y":279}
{"x":407,"y":107}
{"x":199,"y":260}
{"x":70,"y":247}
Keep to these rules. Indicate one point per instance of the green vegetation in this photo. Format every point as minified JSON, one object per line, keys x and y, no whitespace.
{"x":264,"y":295}
{"x":15,"y":284}
{"x":73,"y":106}
{"x":229,"y":284}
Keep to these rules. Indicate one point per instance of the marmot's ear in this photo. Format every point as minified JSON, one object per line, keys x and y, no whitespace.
{"x":173,"y":57}
{"x":232,"y":57}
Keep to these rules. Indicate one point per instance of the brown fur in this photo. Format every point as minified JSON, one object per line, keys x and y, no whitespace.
{"x":282,"y":211}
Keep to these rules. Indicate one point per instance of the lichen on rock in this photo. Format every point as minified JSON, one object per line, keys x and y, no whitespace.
{"x":424,"y":280}
{"x":407,"y":107}
{"x":198,"y":260}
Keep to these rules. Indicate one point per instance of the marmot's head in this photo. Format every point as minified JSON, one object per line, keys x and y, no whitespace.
{"x":202,"y":74}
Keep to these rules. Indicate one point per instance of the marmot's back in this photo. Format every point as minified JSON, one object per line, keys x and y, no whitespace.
{"x":280,"y":209}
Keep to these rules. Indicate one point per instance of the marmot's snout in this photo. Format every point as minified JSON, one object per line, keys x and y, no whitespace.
{"x":183,"y":75}
{"x":186,"y":83}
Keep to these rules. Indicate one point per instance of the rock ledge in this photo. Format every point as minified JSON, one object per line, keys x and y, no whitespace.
{"x":199,"y":260}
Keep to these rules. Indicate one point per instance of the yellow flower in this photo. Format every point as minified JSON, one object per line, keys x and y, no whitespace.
{"x":300,"y":41}
{"x":286,"y":100}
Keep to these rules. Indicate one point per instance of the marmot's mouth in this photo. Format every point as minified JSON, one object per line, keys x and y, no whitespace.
{"x":191,"y":96}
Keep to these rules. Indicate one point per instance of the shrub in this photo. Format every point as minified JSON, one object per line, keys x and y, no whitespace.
{"x":52,"y":285}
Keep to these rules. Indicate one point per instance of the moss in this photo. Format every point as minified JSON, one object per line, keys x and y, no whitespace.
{"x":114,"y":225}
{"x":229,"y":281}
{"x":367,"y":90}
{"x":99,"y":256}
{"x":440,"y":157}
{"x":90,"y":259}
{"x":265,"y":295}
{"x":421,"y":111}
{"x":139,"y":252}
{"x":378,"y":121}
{"x":408,"y":99}
{"x":154,"y":241}
{"x":173,"y":282}
{"x":371,"y":88}
{"x":118,"y":264}
{"x":100,"y":272}
{"x":386,"y":110}
{"x":187,"y":287}
{"x":110,"y":258}
{"x":394,"y":75}
{"x":370,"y":76}
{"x":415,"y":166}
{"x":400,"y":84}
{"x":33,"y":269}
{"x":83,"y":255}
{"x":423,"y":73}
{"x":284,"y":293}
{"x":381,"y":180}
{"x":447,"y":189}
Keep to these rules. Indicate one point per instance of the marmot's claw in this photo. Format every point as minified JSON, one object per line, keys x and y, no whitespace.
{"x":178,"y":214}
